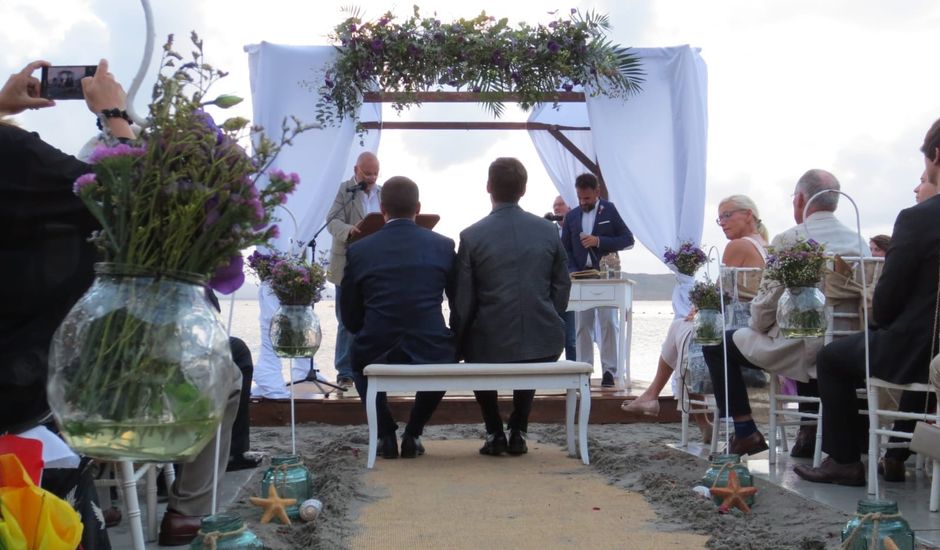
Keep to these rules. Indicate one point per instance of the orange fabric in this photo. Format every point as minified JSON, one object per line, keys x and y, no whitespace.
{"x":31,"y":517}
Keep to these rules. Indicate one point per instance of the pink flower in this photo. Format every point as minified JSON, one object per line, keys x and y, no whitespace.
{"x":82,"y":181}
{"x":120,"y":150}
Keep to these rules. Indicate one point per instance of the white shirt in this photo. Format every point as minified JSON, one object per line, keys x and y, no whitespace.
{"x":370,"y":201}
{"x":587,"y":226}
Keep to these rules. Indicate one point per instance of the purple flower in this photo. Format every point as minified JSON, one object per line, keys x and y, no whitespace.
{"x":273,"y":232}
{"x":229,"y":278}
{"x":553,"y":46}
{"x":553,"y":25}
{"x":377,"y":45}
{"x":121,"y":150}
{"x":82,"y":181}
{"x":352,"y":27}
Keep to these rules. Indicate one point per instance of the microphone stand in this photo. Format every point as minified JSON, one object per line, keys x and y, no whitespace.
{"x":313,"y":256}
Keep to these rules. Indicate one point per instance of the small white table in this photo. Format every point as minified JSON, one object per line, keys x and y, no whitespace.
{"x":591,"y":293}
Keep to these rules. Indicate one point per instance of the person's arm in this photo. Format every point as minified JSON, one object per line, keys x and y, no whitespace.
{"x":104,"y":94}
{"x":622,"y":238}
{"x":894,"y":286}
{"x":465,"y":303}
{"x":450,"y":286}
{"x":566,"y":243}
{"x":352,"y":306}
{"x":764,"y":305}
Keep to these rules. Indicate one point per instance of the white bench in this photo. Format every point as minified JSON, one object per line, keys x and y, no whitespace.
{"x":562,"y":375}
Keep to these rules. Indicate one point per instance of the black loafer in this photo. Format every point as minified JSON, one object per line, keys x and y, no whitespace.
{"x":411,"y":446}
{"x":495,"y":445}
{"x":517,"y":444}
{"x":388,"y":446}
{"x":242,"y":462}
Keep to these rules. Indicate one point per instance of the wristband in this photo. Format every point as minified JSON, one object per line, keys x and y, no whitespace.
{"x":113,"y":113}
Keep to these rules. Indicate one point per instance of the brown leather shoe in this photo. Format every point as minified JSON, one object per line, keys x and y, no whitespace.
{"x":177,"y":529}
{"x":805,"y":443}
{"x":892,"y":469}
{"x":750,"y":445}
{"x":831,"y":471}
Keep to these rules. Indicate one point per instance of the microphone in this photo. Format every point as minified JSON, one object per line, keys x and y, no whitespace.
{"x":553,"y":218}
{"x":361,"y":186}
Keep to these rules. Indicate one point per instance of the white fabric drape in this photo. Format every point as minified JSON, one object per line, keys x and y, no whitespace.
{"x":562,"y":166}
{"x":651,"y":150}
{"x":284,"y":82}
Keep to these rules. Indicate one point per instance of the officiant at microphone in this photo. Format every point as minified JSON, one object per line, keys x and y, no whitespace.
{"x":356,"y":198}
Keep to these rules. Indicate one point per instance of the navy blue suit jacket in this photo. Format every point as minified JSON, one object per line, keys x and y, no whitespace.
{"x":393,"y":286}
{"x":608,"y":226}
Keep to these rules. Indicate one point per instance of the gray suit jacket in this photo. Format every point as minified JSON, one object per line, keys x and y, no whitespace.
{"x":345,"y":213}
{"x":512,"y":288}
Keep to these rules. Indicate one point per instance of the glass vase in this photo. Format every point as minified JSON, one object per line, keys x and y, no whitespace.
{"x":291,"y":478}
{"x":717,"y":475}
{"x":225,"y":532}
{"x":707,"y":327}
{"x":137,"y":367}
{"x":295,"y":331}
{"x":881,"y":516}
{"x":801,"y":312}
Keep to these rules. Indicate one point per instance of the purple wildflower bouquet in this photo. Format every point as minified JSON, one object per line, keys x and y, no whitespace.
{"x":294,"y":281}
{"x":687,"y":259}
{"x":185,"y":197}
{"x":799,"y":265}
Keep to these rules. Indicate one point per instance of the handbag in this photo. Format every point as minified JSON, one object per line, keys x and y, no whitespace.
{"x":926,"y":440}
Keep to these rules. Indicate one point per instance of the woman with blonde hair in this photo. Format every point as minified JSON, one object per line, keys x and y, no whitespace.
{"x":740,"y":221}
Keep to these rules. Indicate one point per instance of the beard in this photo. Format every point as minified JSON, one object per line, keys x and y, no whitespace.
{"x":588,"y":207}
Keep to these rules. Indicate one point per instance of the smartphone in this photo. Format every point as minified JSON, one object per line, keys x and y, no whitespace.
{"x":64,"y":81}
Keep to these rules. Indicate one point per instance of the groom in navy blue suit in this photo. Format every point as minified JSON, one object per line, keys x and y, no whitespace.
{"x":590,"y":232}
{"x":393,"y":286}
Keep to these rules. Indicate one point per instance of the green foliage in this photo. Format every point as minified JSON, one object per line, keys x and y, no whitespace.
{"x":482,"y":55}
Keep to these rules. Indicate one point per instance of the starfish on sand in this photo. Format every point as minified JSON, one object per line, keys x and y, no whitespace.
{"x":273,"y":506}
{"x":733,"y":494}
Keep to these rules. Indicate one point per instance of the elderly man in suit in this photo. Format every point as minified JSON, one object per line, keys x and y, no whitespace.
{"x":512,"y":293}
{"x":356,"y":198}
{"x":394,"y":283}
{"x":761,"y":344}
{"x":902,"y":340}
{"x":590,"y":232}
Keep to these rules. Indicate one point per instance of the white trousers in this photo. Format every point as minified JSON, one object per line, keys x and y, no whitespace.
{"x":268,"y":380}
{"x":604,"y":331}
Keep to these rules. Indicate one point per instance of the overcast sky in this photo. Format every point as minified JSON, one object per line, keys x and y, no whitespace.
{"x":845,"y":85}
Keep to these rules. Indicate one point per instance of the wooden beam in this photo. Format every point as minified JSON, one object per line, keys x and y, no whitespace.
{"x":419,"y":125}
{"x":467,"y":97}
{"x":555,"y":131}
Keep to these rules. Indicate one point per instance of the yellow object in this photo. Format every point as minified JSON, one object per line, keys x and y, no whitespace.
{"x":273,"y":505}
{"x":31,"y":518}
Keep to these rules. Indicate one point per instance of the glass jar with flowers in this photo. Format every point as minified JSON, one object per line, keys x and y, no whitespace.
{"x":136,"y":367}
{"x":298,"y":285}
{"x":686,"y":259}
{"x":708,"y":323}
{"x":801,"y":311}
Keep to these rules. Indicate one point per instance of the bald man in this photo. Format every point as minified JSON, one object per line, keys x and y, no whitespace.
{"x":356,"y":198}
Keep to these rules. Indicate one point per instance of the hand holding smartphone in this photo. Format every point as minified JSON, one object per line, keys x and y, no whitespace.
{"x":64,"y":81}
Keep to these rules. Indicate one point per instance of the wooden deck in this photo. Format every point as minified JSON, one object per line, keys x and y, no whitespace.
{"x":313,"y":406}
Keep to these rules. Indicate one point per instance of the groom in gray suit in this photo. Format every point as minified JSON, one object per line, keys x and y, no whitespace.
{"x":512,"y":293}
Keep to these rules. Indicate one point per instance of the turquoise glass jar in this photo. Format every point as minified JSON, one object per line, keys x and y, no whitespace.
{"x":225,"y":532}
{"x":717,"y":475}
{"x":877,"y":518}
{"x":292,"y":480}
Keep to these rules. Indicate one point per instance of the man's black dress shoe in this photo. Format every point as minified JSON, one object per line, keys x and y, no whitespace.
{"x":411,"y":446}
{"x":495,"y":445}
{"x":607,"y":381}
{"x":831,"y":471}
{"x":177,"y":529}
{"x":892,"y":469}
{"x":517,"y":445}
{"x":388,"y":446}
{"x":805,"y":444}
{"x":242,"y":462}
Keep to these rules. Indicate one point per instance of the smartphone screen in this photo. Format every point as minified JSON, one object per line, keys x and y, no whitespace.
{"x":64,"y":81}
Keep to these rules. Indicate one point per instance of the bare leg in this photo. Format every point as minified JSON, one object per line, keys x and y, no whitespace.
{"x":663,"y":373}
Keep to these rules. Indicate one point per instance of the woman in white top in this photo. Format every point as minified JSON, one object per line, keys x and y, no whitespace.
{"x":740,"y":221}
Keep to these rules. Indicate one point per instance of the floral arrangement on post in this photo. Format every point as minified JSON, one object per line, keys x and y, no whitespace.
{"x":800,"y":265}
{"x":707,"y":299}
{"x":483,"y":55}
{"x":687,"y":259}
{"x":135,"y":366}
{"x":298,"y":284}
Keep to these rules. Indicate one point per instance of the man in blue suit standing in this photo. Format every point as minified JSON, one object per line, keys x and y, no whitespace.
{"x":393,"y":287}
{"x":590,"y":232}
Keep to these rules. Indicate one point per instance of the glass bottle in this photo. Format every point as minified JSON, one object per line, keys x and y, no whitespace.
{"x":291,"y":478}
{"x":717,"y":474}
{"x":225,"y":532}
{"x":877,"y":514}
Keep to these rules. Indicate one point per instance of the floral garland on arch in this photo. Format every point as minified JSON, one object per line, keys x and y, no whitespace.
{"x":482,"y":55}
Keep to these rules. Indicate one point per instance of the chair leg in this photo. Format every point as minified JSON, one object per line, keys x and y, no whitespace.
{"x":935,"y":487}
{"x":817,"y":452}
{"x":772,"y":459}
{"x":684,"y":438}
{"x":715,"y":429}
{"x":874,"y":451}
{"x":151,"y":488}
{"x":128,"y":484}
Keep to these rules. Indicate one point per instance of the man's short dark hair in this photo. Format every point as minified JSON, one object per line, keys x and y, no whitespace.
{"x":932,"y":142}
{"x":586,"y":181}
{"x":507,"y":179}
{"x":400,"y":197}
